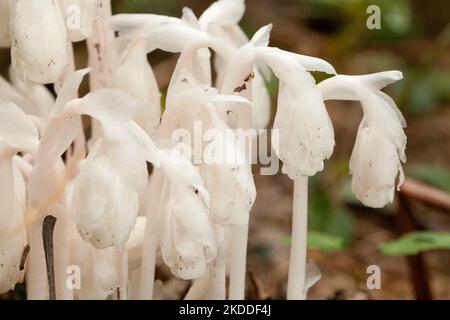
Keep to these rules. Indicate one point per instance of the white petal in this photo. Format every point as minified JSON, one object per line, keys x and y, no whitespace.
{"x":132,"y":25}
{"x":37,"y":93}
{"x":223,"y":13}
{"x":93,"y":193}
{"x":68,"y":90}
{"x":342,"y":87}
{"x":262,"y":37}
{"x":11,"y":94}
{"x":135,"y":76}
{"x":13,"y":240}
{"x":38,"y":40}
{"x":109,"y":106}
{"x":17,"y":129}
{"x":374,"y":166}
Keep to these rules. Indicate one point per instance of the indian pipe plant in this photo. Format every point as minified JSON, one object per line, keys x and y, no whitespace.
{"x":114,"y":220}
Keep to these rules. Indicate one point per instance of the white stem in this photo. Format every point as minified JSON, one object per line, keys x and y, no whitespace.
{"x":219,"y":282}
{"x":101,"y":54}
{"x":147,"y":282}
{"x":149,"y":246}
{"x":238,"y":259}
{"x":239,"y":234}
{"x":62,"y":250}
{"x":37,"y":272}
{"x":296,"y":289}
{"x":122,"y":257}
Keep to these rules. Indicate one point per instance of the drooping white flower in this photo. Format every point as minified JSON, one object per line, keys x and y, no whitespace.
{"x":17,"y":133}
{"x":135,"y":76}
{"x":107,"y":190}
{"x":79,"y":17}
{"x":380,"y":143}
{"x":306,"y":136}
{"x":186,"y":232}
{"x":118,"y":155}
{"x":39,"y":38}
{"x":226,"y":172}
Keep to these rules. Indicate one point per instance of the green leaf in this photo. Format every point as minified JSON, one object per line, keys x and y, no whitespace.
{"x":328,"y":218}
{"x":415,"y":242}
{"x":319,"y":240}
{"x":435,"y":176}
{"x":323,"y":241}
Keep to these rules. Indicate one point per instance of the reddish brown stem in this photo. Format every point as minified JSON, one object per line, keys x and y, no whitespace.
{"x":417,"y":267}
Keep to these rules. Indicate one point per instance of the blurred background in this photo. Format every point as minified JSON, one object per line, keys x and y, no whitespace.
{"x":345,"y":237}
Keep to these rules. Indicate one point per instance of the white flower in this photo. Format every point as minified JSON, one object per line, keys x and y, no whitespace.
{"x":380,"y":144}
{"x":135,"y":76}
{"x":107,"y":190}
{"x":306,"y":135}
{"x":17,"y":133}
{"x":115,"y":172}
{"x":79,"y":17}
{"x":186,"y":232}
{"x":38,"y":35}
{"x":226,"y":172}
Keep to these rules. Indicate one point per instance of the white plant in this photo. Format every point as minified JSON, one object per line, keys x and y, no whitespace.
{"x":115,"y":221}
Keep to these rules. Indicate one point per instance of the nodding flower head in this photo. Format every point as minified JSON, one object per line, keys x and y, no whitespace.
{"x":306,"y":136}
{"x":186,"y":231}
{"x":17,"y":133}
{"x":380,"y":143}
{"x":38,"y":40}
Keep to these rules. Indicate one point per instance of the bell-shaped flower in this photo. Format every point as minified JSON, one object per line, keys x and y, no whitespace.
{"x":109,"y":106}
{"x":121,"y":151}
{"x":79,"y":17}
{"x":107,"y":190}
{"x":186,"y":234}
{"x":38,"y":37}
{"x":135,"y":76}
{"x":5,"y":38}
{"x":17,"y":133}
{"x":224,"y":167}
{"x":380,"y":143}
{"x":305,"y":133}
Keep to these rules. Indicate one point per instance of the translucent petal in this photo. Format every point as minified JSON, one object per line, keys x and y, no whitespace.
{"x":38,"y":40}
{"x":223,"y":13}
{"x":17,"y":129}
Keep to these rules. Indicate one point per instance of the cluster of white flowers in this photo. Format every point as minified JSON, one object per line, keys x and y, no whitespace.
{"x":115,"y":221}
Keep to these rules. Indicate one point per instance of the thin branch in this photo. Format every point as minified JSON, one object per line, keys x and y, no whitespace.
{"x":425,"y":193}
{"x":417,"y":267}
